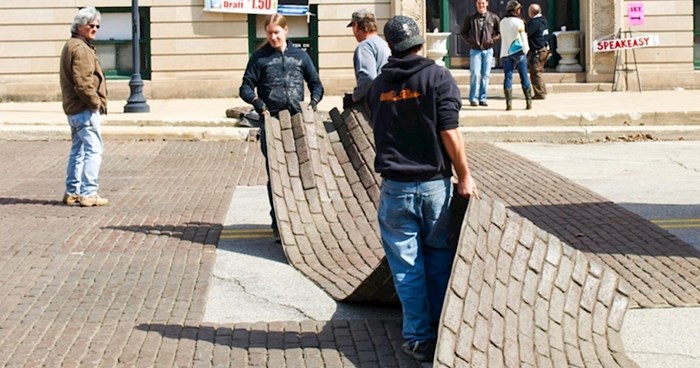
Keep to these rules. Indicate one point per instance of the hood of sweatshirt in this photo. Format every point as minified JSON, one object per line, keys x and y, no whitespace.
{"x":399,"y":69}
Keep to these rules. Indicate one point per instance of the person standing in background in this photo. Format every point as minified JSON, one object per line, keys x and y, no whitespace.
{"x":84,"y":93}
{"x":480,"y":31}
{"x":370,"y":55}
{"x":514,"y":48}
{"x":538,"y":36}
{"x":274,"y":81}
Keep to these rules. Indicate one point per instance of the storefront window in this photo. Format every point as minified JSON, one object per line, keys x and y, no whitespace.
{"x":114,"y":43}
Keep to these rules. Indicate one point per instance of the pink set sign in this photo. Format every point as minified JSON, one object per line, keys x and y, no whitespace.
{"x":635,"y":14}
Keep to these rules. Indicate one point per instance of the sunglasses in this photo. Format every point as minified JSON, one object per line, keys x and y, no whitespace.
{"x":94,"y":26}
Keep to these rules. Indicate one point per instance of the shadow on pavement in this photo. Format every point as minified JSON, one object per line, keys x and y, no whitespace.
{"x":6,"y":201}
{"x":198,"y":232}
{"x":360,"y":343}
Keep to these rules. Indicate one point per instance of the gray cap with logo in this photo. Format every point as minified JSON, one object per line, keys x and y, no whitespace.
{"x":359,"y":16}
{"x":402,"y":33}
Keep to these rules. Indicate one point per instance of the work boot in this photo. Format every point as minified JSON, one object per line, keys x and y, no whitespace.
{"x":93,"y":200}
{"x":509,"y":98}
{"x":528,"y":98}
{"x":422,"y":351}
{"x":71,"y":199}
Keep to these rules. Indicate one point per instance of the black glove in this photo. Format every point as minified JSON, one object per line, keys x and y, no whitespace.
{"x":259,"y":106}
{"x":347,"y":101}
{"x":313,"y":105}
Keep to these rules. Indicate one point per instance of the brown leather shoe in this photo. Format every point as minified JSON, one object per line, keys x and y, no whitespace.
{"x":93,"y":200}
{"x":71,"y":199}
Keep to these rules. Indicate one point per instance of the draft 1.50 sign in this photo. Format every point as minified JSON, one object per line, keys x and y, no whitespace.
{"x":242,"y":6}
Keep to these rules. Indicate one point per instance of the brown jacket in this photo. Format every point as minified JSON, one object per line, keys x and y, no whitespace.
{"x":83,"y":83}
{"x":473,"y":36}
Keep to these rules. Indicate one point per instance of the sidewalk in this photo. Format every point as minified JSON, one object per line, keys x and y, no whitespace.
{"x":562,"y":117}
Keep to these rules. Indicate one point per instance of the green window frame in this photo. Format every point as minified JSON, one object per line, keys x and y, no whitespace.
{"x":310,"y":43}
{"x":123,"y":69}
{"x":696,"y":34}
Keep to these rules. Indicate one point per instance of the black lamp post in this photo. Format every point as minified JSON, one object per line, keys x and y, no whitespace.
{"x":136,"y":102}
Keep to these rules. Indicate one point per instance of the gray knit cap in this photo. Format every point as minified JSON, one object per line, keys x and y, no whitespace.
{"x":402,"y":33}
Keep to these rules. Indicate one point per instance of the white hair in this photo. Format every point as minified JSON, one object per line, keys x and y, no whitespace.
{"x":85,"y":16}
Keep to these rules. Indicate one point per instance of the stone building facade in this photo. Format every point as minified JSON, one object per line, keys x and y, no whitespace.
{"x":190,"y":52}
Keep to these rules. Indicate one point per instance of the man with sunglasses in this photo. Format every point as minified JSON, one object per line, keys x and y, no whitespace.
{"x":84,"y":91}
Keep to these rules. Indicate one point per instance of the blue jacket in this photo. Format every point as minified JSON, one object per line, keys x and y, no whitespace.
{"x":411,"y":102}
{"x":279,"y":78}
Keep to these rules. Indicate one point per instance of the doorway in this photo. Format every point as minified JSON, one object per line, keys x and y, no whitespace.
{"x":558,"y":12}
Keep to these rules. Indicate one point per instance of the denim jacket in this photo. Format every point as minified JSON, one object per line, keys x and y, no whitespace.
{"x":278,"y":78}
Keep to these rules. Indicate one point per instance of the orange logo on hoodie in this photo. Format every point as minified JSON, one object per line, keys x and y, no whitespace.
{"x":405,"y":94}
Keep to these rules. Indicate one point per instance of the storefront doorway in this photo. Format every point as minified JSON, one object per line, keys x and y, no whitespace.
{"x":449,"y":15}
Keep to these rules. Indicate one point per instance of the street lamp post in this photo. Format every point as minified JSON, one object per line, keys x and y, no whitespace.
{"x":136,"y":101}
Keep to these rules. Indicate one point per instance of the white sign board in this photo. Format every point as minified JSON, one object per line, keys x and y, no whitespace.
{"x":625,"y":43}
{"x":241,"y":6}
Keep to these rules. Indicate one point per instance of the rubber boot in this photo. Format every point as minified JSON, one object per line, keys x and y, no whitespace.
{"x":509,"y":98}
{"x":528,"y":98}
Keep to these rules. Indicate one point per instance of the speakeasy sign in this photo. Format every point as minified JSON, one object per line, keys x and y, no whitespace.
{"x":625,"y":43}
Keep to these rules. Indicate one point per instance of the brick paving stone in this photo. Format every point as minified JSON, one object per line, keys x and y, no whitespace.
{"x":664,"y":271}
{"x":316,"y":151}
{"x":128,"y":285}
{"x":554,"y":325}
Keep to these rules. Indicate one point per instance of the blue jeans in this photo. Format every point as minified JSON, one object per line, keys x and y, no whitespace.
{"x":414,"y":220}
{"x":479,"y":70}
{"x":85,"y":156}
{"x":519,"y":61}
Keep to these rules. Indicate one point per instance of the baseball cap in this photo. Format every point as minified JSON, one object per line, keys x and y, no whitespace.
{"x":358,"y":16}
{"x":402,"y":33}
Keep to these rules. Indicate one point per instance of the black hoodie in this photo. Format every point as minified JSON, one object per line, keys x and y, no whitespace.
{"x":411,"y":102}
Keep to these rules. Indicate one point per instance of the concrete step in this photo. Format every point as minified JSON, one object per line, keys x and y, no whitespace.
{"x":556,"y":83}
{"x":496,"y":89}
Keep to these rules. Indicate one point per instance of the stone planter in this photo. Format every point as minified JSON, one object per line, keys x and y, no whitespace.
{"x":568,"y":48}
{"x":436,"y":46}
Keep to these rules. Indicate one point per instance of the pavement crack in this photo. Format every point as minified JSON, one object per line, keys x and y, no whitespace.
{"x":236,"y":282}
{"x":684,"y":166}
{"x":678,"y":355}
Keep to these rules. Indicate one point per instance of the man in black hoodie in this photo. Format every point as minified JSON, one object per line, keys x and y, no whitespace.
{"x":414,"y":106}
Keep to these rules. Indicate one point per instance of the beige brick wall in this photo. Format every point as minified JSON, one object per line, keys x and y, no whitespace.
{"x":203,"y":54}
{"x":193,"y":53}
{"x":670,"y":64}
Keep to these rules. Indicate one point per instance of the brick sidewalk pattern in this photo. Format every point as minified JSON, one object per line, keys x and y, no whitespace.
{"x":325,"y":199}
{"x":519,"y":297}
{"x":126,"y":285}
{"x":661,"y":269}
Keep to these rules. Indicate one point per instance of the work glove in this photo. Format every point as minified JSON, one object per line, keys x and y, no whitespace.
{"x":259,"y":106}
{"x":347,"y":101}
{"x":313,"y":105}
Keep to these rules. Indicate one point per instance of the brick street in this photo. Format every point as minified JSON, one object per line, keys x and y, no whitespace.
{"x":126,"y":285}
